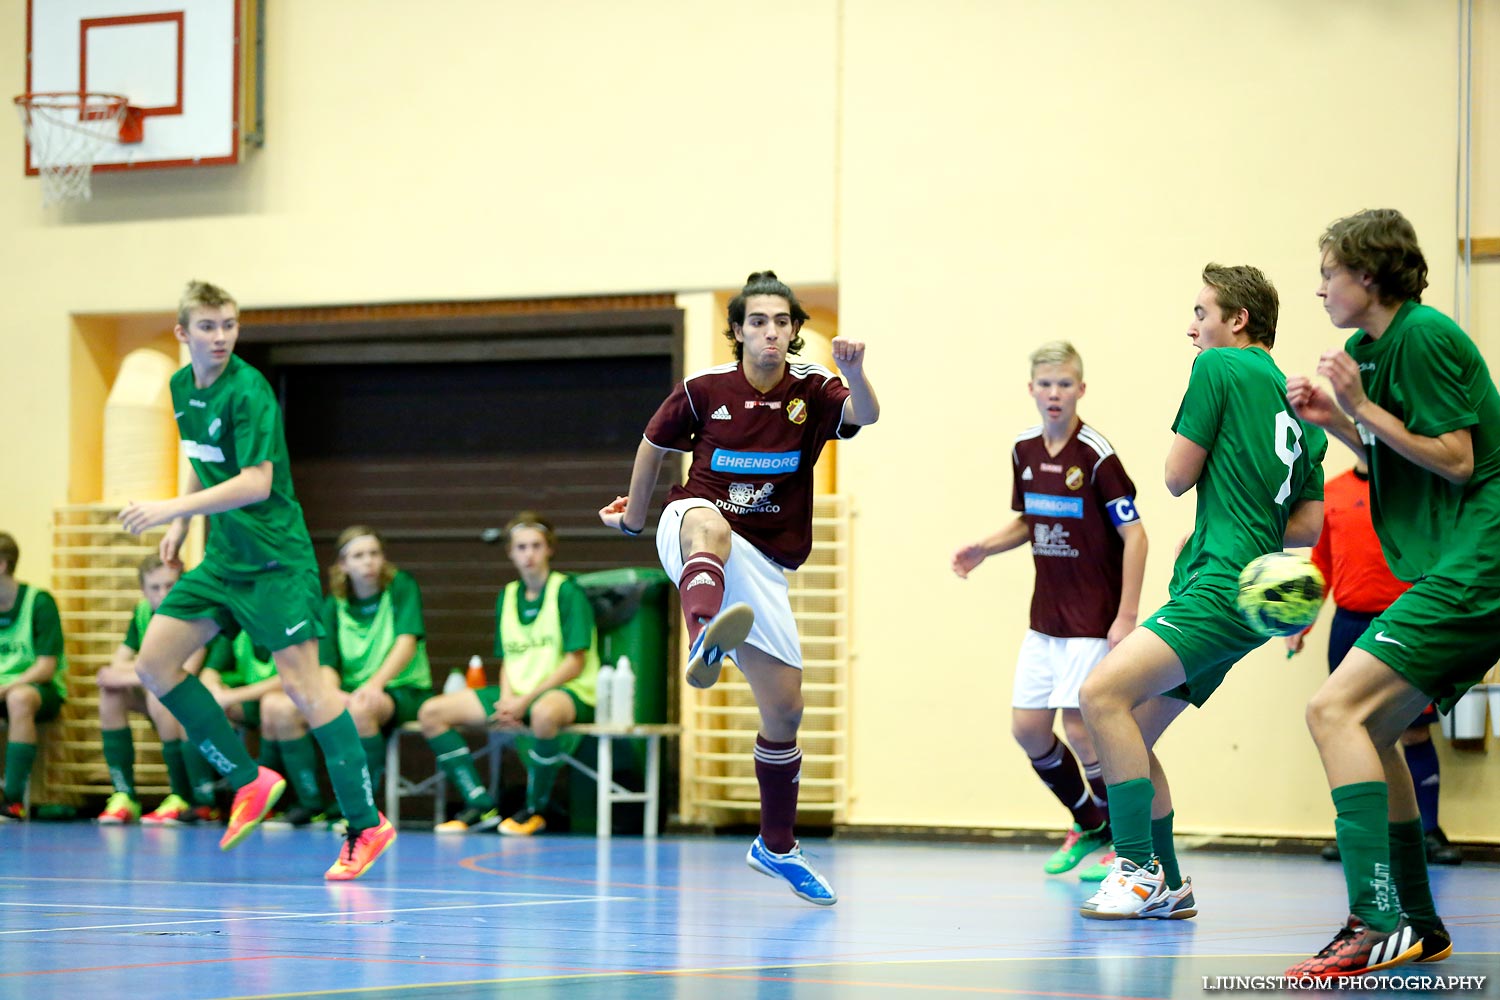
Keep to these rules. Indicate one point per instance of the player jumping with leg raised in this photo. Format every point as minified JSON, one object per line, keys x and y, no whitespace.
{"x":744,"y":517}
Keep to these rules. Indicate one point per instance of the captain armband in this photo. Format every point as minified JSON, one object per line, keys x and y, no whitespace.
{"x":1122,"y":511}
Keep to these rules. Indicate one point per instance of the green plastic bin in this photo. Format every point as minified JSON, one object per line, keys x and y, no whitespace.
{"x":631,"y":609}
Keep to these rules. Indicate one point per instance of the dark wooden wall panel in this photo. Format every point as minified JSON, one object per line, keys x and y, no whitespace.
{"x":435,"y":456}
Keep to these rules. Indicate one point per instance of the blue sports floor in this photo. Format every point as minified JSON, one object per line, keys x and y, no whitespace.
{"x":112,"y":912}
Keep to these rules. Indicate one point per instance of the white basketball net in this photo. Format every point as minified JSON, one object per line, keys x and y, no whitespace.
{"x":66,"y":132}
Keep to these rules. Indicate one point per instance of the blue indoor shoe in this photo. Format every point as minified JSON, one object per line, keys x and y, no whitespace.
{"x":792,"y":867}
{"x":721,"y":636}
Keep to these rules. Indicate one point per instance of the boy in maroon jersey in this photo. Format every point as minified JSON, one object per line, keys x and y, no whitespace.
{"x":755,"y":429}
{"x":1077,"y":509}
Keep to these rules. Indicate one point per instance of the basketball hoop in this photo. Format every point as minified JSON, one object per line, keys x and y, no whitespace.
{"x":67,"y":131}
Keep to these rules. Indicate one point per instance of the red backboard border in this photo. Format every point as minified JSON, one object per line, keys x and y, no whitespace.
{"x":236,"y":110}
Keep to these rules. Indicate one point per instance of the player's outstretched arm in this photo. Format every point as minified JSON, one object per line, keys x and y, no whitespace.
{"x":628,"y":513}
{"x":252,"y":485}
{"x":966,"y":559}
{"x":861,"y":408}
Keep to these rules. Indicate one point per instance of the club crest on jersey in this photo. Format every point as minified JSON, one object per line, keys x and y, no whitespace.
{"x":747,"y":498}
{"x":796,"y":410}
{"x":1074,"y":478}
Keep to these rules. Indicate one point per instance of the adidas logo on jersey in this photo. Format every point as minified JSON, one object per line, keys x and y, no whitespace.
{"x":700,"y":578}
{"x":722,"y":413}
{"x":1027,"y":474}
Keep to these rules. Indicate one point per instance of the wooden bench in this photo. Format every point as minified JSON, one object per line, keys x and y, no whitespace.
{"x":609,"y":792}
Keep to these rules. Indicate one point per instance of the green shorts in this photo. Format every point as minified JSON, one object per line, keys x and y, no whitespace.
{"x":279,"y":608}
{"x":1207,"y":632}
{"x":1442,"y":635}
{"x":408,"y":699}
{"x":52,"y":703}
{"x":489,"y":697}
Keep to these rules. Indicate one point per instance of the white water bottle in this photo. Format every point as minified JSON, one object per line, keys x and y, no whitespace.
{"x":622,"y":698}
{"x":455,"y":682}
{"x":604,"y":689}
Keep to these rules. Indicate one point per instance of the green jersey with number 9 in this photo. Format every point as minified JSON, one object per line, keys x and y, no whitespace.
{"x":1262,"y":461}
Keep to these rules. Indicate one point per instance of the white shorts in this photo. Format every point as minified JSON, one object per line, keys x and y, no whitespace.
{"x":1049,"y":670}
{"x":749,"y":577}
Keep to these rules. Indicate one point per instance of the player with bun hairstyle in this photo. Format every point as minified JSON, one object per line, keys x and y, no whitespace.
{"x":728,"y":535}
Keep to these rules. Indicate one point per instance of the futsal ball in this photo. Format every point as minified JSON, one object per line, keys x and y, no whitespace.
{"x":1280,"y":593}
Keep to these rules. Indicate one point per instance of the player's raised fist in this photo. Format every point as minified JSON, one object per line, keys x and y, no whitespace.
{"x":848,"y":353}
{"x":1342,"y":371}
{"x":1310,"y":402}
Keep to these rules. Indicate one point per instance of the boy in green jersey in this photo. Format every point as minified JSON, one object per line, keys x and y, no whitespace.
{"x":258,"y":575}
{"x":120,"y":693}
{"x":1412,"y":394}
{"x":545,"y":634}
{"x":32,"y":667}
{"x":1259,"y":478}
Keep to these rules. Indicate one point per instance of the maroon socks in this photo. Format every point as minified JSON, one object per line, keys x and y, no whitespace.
{"x":777,"y":768}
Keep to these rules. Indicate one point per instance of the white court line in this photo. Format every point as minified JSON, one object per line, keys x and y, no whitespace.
{"x":309,"y":916}
{"x":60,"y":905}
{"x":305,"y":886}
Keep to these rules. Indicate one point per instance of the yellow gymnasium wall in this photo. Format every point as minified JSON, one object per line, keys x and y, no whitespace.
{"x":975,"y":178}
